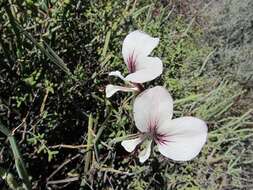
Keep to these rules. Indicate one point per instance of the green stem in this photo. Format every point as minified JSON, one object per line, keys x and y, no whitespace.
{"x":89,"y":145}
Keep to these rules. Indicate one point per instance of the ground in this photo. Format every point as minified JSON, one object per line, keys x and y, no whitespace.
{"x":57,"y":126}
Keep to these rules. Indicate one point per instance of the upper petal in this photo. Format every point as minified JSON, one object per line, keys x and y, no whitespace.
{"x":182,"y":138}
{"x":152,"y":107}
{"x":147,"y":69}
{"x":112,"y":89}
{"x":131,"y":144}
{"x":138,"y":43}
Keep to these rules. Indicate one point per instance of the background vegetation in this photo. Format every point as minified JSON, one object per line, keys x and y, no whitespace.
{"x":57,"y":124}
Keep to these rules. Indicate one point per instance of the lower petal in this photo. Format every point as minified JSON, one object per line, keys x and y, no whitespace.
{"x":131,"y":144}
{"x":145,"y":153}
{"x":112,"y":89}
{"x":117,"y":74}
{"x":147,"y":69}
{"x":182,"y":138}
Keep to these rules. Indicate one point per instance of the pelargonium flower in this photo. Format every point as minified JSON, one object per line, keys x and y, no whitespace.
{"x":136,"y":47}
{"x":179,"y":139}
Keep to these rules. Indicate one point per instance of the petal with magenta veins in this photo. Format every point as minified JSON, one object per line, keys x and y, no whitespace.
{"x":136,"y":44}
{"x":147,"y":69}
{"x":183,"y":138}
{"x":152,"y":107}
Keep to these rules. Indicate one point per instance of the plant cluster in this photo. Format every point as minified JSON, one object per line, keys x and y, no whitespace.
{"x":179,"y":139}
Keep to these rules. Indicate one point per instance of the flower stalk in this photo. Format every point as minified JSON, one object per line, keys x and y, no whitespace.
{"x":88,"y":156}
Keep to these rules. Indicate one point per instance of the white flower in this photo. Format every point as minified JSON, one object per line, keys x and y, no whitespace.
{"x":136,"y":47}
{"x":179,"y":139}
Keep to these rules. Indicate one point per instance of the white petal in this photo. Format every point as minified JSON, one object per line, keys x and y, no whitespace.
{"x":130,"y":145}
{"x":184,"y":138}
{"x":138,"y":43}
{"x":112,"y":89}
{"x":116,"y":74}
{"x":145,"y":153}
{"x":153,"y":106}
{"x":147,"y":69}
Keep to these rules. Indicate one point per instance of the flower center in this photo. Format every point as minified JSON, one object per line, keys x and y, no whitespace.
{"x":159,"y":138}
{"x":131,"y":63}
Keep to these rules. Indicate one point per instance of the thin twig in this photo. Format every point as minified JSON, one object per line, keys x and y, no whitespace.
{"x":67,"y":180}
{"x":68,"y":146}
{"x":205,"y":62}
{"x":61,"y":166}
